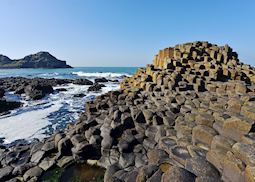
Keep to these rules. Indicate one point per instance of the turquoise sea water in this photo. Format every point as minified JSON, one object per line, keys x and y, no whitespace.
{"x":39,"y":119}
{"x":70,"y":73}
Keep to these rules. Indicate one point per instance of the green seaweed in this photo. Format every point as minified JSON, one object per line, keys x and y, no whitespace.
{"x":52,"y":175}
{"x":74,"y":173}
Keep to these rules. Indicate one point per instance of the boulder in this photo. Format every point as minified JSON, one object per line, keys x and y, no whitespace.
{"x":96,"y":87}
{"x":65,"y":161}
{"x":100,"y":80}
{"x":203,"y":134}
{"x":233,"y":168}
{"x":37,"y":91}
{"x":5,"y":173}
{"x":6,"y":106}
{"x":146,"y":172}
{"x":33,"y":172}
{"x":235,"y":128}
{"x":82,"y":82}
{"x":36,"y":157}
{"x":245,"y":152}
{"x":200,"y":167}
{"x":47,"y":163}
{"x":204,"y":119}
{"x":176,"y":174}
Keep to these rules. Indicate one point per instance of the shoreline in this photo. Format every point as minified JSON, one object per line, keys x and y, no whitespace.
{"x":188,"y":117}
{"x":42,"y":107}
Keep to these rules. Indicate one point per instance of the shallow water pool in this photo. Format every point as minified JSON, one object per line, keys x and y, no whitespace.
{"x":75,"y":173}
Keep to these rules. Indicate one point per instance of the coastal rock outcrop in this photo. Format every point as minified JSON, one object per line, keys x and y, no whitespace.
{"x":5,"y":106}
{"x":2,"y":91}
{"x":37,"y":91}
{"x":189,"y":116}
{"x":38,"y":60}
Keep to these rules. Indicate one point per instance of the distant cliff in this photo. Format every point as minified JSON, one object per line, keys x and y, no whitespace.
{"x":38,"y":60}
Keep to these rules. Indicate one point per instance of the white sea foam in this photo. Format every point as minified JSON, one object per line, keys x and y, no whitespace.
{"x":26,"y":125}
{"x":34,"y":118}
{"x":100,"y":75}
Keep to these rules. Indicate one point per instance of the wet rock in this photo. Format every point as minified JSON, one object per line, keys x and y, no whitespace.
{"x":2,"y":91}
{"x":131,"y":176}
{"x":65,"y":161}
{"x":49,"y":146}
{"x":180,"y":154}
{"x":85,"y":151}
{"x":167,"y":144}
{"x":47,"y":163}
{"x":232,"y":168}
{"x":64,"y":146}
{"x":245,"y":153}
{"x":79,"y":95}
{"x":108,"y":177}
{"x":82,"y":82}
{"x":100,"y":80}
{"x":235,"y":128}
{"x":61,"y":89}
{"x":8,"y":105}
{"x":96,"y":87}
{"x":21,"y":169}
{"x":13,"y":180}
{"x":200,"y":167}
{"x":33,"y":172}
{"x":5,"y":173}
{"x":36,"y":157}
{"x":207,"y":179}
{"x":146,"y":172}
{"x":156,"y":176}
{"x":126,"y":160}
{"x":176,"y":174}
{"x":156,"y":155}
{"x":204,"y":119}
{"x":37,"y":91}
{"x":148,"y":115}
{"x":203,"y":134}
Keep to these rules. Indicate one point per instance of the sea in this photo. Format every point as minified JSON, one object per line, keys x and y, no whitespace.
{"x":42,"y":118}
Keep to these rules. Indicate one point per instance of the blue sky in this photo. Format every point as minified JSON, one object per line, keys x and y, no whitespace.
{"x":122,"y":32}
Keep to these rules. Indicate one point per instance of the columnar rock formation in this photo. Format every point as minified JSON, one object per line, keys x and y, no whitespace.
{"x":187,"y":117}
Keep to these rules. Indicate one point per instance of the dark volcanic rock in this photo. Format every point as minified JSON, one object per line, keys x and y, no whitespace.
{"x":80,"y":95}
{"x":189,"y":116}
{"x":96,"y":87}
{"x":83,"y":82}
{"x":37,"y":91}
{"x":61,"y":89}
{"x":8,"y":105}
{"x":98,"y":80}
{"x":38,"y":60}
{"x":5,"y":173}
{"x":1,"y":92}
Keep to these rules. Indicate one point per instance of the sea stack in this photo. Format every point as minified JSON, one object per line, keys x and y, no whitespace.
{"x":187,"y":117}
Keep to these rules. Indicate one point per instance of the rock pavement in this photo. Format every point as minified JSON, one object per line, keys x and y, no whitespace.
{"x":189,"y":116}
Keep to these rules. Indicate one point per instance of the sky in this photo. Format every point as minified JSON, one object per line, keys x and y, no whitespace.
{"x":122,"y":32}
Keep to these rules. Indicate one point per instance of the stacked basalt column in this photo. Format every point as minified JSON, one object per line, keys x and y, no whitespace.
{"x":219,"y":120}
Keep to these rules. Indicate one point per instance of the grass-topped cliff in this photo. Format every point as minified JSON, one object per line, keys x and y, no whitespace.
{"x":38,"y":60}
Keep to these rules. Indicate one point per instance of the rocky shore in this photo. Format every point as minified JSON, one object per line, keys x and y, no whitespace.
{"x":37,"y":88}
{"x":187,"y":117}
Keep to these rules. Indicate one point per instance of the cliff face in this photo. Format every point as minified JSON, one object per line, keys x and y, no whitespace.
{"x":38,"y":60}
